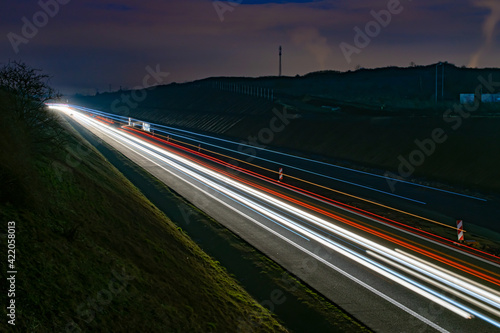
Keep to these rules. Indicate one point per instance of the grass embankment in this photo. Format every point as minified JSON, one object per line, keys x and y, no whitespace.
{"x":466,"y":158}
{"x":93,"y":253}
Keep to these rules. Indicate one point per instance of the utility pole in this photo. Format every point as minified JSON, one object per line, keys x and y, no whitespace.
{"x":280,"y":62}
{"x":442,"y":84}
{"x":437,"y":83}
{"x":442,"y":81}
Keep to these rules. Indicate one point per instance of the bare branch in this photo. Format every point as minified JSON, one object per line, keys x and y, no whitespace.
{"x":28,"y":90}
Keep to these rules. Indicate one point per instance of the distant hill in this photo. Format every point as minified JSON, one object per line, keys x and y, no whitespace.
{"x":365,"y":118}
{"x":389,"y":90}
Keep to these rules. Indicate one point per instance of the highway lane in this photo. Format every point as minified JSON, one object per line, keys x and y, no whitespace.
{"x":433,"y":203}
{"x":354,"y":268}
{"x":424,"y":200}
{"x":439,"y":221}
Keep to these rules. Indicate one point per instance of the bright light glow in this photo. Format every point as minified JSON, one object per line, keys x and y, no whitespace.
{"x":60,"y":107}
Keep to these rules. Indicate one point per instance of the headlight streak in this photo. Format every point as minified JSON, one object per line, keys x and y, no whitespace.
{"x":300,"y":169}
{"x":380,"y":269}
{"x":434,"y":283}
{"x":301,"y":214}
{"x":335,"y":217}
{"x":258,"y":200}
{"x":333,"y":228}
{"x":479,"y":255}
{"x":294,"y":156}
{"x":278,"y":217}
{"x":446,"y":279}
{"x":320,"y":259}
{"x":490,"y":290}
{"x":288,"y":166}
{"x":264,"y":212}
{"x":156,"y":141}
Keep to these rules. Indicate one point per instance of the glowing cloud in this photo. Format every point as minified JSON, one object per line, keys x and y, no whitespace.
{"x":313,"y":42}
{"x":489,"y":26}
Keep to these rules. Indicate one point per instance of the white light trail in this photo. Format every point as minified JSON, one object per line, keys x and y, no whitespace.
{"x":436,"y":284}
{"x":175,"y":161}
{"x":492,"y":291}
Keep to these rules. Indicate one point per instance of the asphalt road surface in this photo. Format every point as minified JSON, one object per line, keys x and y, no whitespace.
{"x":390,"y":279}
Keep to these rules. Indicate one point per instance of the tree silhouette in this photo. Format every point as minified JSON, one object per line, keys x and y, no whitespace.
{"x":27,"y":91}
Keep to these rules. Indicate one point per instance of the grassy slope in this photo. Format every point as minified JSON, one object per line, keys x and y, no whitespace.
{"x":467,"y":158}
{"x":80,"y":225}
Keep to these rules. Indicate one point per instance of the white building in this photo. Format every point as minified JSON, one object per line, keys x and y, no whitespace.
{"x":485,"y":98}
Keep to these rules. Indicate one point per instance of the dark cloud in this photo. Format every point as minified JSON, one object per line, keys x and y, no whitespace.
{"x":90,"y":44}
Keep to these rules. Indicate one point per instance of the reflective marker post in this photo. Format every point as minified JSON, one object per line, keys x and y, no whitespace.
{"x":460,"y":230}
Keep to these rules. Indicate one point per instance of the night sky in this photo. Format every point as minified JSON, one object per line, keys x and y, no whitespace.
{"x":88,"y":44}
